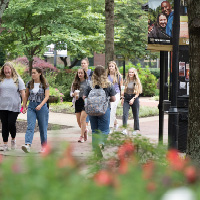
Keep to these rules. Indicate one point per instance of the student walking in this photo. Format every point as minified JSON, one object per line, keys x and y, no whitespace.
{"x":11,"y":87}
{"x":85,"y":65}
{"x":37,"y":92}
{"x":130,"y":98}
{"x":100,"y":124}
{"x":116,"y":79}
{"x":78,"y":86}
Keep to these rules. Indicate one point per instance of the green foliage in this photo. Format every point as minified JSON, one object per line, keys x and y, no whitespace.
{"x":31,"y":26}
{"x":62,"y":81}
{"x":138,"y":169}
{"x":147,"y":79}
{"x":145,"y":111}
{"x":130,"y":29}
{"x":155,"y":72}
{"x":56,"y":93}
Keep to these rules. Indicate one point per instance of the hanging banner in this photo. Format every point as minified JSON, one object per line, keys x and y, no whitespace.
{"x":160,"y":23}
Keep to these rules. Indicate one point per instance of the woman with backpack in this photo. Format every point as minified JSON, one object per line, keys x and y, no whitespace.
{"x":79,"y":84}
{"x":101,"y":119}
{"x":11,"y":87}
{"x":84,"y":65}
{"x":130,"y":98}
{"x":37,"y":92}
{"x":116,"y":79}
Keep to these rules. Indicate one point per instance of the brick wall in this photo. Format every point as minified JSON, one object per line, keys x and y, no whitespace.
{"x":99,"y":59}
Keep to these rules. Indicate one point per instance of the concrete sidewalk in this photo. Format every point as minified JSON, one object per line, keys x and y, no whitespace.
{"x":148,"y":128}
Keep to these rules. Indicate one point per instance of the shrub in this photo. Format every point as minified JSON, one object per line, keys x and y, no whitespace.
{"x":122,"y":177}
{"x":37,"y":62}
{"x":155,"y":72}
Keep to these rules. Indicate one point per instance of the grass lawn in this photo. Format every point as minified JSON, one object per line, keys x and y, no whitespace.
{"x":66,"y":107}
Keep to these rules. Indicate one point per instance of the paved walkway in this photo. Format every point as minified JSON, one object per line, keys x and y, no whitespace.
{"x":148,"y":126}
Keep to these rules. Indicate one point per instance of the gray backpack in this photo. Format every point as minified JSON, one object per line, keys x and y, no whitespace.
{"x":96,"y":103}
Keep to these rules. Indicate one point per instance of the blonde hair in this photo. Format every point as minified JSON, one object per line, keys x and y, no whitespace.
{"x":100,"y":78}
{"x":138,"y":86}
{"x":117,"y":74}
{"x":15,"y":75}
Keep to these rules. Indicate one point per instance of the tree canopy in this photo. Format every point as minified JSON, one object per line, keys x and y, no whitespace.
{"x":32,"y":25}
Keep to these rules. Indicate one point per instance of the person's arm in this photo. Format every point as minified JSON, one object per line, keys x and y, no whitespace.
{"x":26,"y":95}
{"x":112,"y":94}
{"x":44,"y":100}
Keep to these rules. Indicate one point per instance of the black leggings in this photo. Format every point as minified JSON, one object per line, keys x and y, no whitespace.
{"x":8,"y":120}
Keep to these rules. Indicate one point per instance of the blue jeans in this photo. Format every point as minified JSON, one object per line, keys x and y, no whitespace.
{"x":87,"y":119}
{"x":42,"y":116}
{"x":100,"y":128}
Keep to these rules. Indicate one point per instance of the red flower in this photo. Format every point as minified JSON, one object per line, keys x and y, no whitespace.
{"x":67,"y":160}
{"x":123,"y":167}
{"x":103,"y":178}
{"x":46,"y":150}
{"x":125,"y":150}
{"x":151,"y":186}
{"x":1,"y":158}
{"x":148,"y":169}
{"x":191,"y":174}
{"x":176,"y":162}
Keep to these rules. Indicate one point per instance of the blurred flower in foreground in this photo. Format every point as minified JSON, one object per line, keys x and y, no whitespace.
{"x":103,"y":178}
{"x":1,"y":158}
{"x":126,"y":150}
{"x":175,"y":161}
{"x":148,"y":169}
{"x":46,"y":150}
{"x":67,"y":159}
{"x":191,"y":174}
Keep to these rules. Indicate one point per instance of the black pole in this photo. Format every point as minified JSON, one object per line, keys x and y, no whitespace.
{"x":166,"y":85}
{"x":173,"y":112}
{"x":124,"y":69}
{"x":55,"y":55}
{"x":161,"y":96}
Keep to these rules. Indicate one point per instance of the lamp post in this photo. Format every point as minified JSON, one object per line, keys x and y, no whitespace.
{"x":173,"y":111}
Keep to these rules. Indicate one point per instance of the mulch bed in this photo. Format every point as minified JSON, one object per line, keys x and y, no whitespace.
{"x":22,"y":125}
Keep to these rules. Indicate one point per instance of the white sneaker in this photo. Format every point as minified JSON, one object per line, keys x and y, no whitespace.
{"x":134,"y":133}
{"x":13,"y":144}
{"x":5,"y":147}
{"x":116,"y":126}
{"x":26,"y":148}
{"x":111,"y":131}
{"x":124,"y":132}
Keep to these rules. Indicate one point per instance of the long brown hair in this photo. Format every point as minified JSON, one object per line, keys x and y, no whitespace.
{"x":42,"y":79}
{"x":15,"y":75}
{"x":117,"y":74}
{"x":138,"y":85}
{"x":100,"y":78}
{"x":76,"y":82}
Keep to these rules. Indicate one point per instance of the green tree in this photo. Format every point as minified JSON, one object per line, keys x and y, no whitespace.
{"x":32,"y":25}
{"x":193,"y":143}
{"x":130,"y":28}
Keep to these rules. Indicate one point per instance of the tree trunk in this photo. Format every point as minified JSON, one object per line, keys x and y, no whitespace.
{"x":64,"y":59}
{"x":193,"y":145}
{"x":3,"y":6}
{"x":109,"y":42}
{"x":30,"y":65}
{"x":73,"y":63}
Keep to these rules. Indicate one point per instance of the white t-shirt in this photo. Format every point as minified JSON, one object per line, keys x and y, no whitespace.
{"x":36,"y":88}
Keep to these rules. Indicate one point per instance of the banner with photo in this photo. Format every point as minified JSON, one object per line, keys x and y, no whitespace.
{"x":160,"y":23}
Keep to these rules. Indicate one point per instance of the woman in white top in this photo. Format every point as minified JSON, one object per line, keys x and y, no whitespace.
{"x":11,"y":86}
{"x":37,"y":92}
